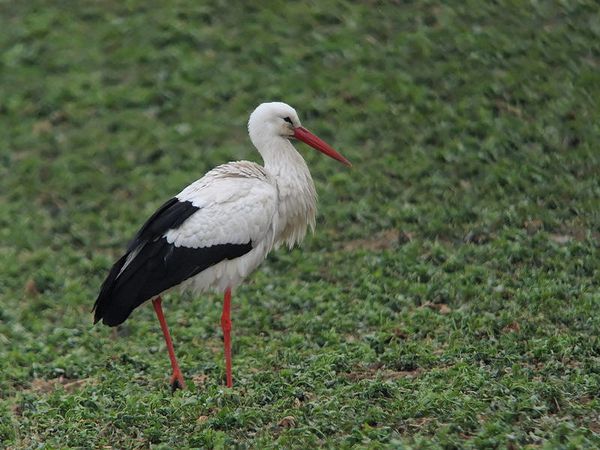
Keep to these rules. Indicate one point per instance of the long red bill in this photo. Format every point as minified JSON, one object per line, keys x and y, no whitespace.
{"x":302,"y":134}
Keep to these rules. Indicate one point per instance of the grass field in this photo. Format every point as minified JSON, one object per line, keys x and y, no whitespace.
{"x":450,"y":295}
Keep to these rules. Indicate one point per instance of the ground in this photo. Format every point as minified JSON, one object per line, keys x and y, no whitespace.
{"x":449,"y":297}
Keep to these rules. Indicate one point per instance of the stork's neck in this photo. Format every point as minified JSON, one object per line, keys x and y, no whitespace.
{"x":297,"y":194}
{"x":282,"y":158}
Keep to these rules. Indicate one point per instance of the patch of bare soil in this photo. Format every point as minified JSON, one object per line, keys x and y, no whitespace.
{"x":385,"y":374}
{"x":594,"y":427}
{"x":563,"y":236}
{"x":287,"y":422}
{"x":69,"y":385}
{"x":512,"y":327}
{"x":442,"y":308}
{"x":200,"y":380}
{"x":383,"y":240}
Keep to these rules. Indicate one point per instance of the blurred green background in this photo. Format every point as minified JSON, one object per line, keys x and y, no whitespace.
{"x":449,"y":297}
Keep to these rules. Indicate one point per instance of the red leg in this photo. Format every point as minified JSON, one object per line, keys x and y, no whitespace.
{"x":226,"y":326}
{"x":176,"y":378}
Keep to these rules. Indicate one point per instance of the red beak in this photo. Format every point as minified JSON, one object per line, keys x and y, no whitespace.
{"x":302,"y":134}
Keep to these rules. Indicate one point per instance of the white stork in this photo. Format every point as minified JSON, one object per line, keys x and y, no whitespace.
{"x":218,"y":230}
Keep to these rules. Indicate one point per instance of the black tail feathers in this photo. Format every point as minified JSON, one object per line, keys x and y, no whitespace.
{"x":108,"y":306}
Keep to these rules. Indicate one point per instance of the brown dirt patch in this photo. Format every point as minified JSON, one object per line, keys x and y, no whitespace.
{"x":287,"y":422}
{"x":45,"y":386}
{"x":442,"y":308}
{"x":385,"y":374}
{"x":383,"y":240}
{"x":199,"y":380}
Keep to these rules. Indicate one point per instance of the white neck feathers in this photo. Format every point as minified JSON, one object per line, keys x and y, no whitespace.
{"x":297,"y":194}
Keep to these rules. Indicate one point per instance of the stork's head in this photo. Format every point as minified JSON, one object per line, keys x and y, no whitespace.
{"x":277,"y":120}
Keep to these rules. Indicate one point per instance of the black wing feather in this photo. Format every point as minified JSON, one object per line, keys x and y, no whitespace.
{"x":170,"y":215}
{"x":158,"y":265}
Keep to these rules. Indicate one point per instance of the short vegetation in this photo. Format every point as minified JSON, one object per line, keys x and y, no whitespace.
{"x":450,"y":295}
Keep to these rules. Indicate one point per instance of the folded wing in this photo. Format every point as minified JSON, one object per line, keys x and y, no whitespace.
{"x":215,"y":219}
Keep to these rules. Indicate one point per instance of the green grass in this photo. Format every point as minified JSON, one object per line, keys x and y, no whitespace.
{"x":474,"y":129}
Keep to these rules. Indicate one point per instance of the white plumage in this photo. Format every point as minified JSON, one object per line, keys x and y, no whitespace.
{"x":243,"y":201}
{"x":218,"y":230}
{"x":238,"y":204}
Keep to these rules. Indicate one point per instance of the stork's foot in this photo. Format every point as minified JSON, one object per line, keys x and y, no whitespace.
{"x":177,"y":381}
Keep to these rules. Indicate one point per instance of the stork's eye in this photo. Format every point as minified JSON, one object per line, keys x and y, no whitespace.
{"x":288,"y":120}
